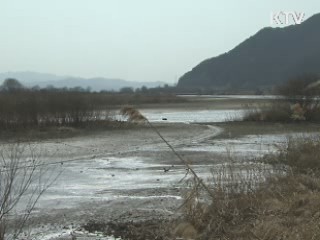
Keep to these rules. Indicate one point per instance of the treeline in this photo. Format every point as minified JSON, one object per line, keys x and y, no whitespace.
{"x":10,"y":85}
{"x":29,"y":109}
{"x":13,"y":85}
{"x":166,"y":89}
{"x":22,"y":107}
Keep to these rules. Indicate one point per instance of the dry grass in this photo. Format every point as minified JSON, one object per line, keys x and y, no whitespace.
{"x":284,"y":112}
{"x":285,"y":208}
{"x":302,"y":155}
{"x":132,"y":114}
{"x":276,"y":112}
{"x":261,"y":204}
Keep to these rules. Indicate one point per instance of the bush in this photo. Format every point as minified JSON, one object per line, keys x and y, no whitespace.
{"x":300,"y":102}
{"x":28,"y":109}
{"x":277,"y":112}
{"x":24,"y":178}
{"x":303,"y":93}
{"x":302,"y":155}
{"x":275,"y":206}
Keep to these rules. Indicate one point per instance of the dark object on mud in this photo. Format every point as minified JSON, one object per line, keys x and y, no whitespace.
{"x":166,"y":169}
{"x":164,"y":119}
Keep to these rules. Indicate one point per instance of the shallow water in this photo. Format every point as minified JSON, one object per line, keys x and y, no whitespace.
{"x":234,"y":96}
{"x":103,"y":179}
{"x":190,"y":116}
{"x":193,"y":116}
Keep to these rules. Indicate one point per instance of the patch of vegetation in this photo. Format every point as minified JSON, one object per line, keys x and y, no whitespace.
{"x":282,"y":206}
{"x":300,"y":102}
{"x":141,"y":230}
{"x":22,"y":108}
{"x":276,"y":112}
{"x":302,"y":155}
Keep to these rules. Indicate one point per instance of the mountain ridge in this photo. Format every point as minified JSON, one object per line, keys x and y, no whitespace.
{"x":30,"y":79}
{"x":268,"y":58}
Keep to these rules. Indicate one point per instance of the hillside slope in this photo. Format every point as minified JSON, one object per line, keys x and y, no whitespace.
{"x":266,"y":59}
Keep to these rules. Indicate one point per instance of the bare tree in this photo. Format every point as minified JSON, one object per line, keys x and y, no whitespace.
{"x":23,"y":180}
{"x":304,"y":93}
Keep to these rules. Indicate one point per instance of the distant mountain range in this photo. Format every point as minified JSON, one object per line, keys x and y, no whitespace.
{"x":30,"y":79}
{"x":264,"y":60}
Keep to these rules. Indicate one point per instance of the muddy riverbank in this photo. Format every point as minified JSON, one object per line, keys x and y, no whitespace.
{"x":131,"y":175}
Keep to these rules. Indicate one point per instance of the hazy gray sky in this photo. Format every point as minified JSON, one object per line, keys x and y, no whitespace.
{"x":144,"y":40}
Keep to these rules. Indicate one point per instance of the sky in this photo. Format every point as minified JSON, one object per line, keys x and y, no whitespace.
{"x":138,"y":40}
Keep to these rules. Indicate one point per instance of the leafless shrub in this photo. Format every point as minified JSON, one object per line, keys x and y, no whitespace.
{"x":300,"y":89}
{"x":300,"y":101}
{"x":275,"y":112}
{"x":234,"y":188}
{"x":301,"y":154}
{"x":35,"y":109}
{"x":24,"y":109}
{"x":252,"y":201}
{"x":23,"y":180}
{"x":303,"y":92}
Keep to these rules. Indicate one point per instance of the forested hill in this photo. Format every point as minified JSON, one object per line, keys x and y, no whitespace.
{"x":266,"y":59}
